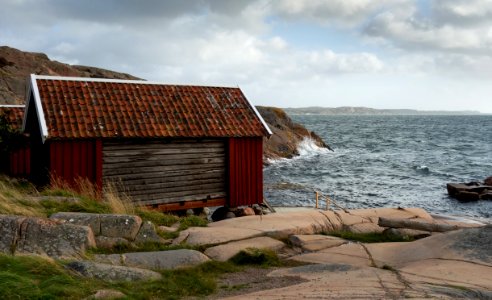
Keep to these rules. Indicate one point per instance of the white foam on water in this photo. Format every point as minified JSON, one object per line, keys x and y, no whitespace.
{"x":308,"y":148}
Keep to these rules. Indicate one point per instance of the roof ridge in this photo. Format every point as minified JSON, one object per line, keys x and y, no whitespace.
{"x":128,"y":81}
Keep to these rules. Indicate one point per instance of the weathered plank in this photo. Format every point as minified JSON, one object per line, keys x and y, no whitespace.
{"x":133,"y":167}
{"x":162,"y":151}
{"x":173,"y":184}
{"x":178,"y":189}
{"x":152,"y":158}
{"x":159,"y":200}
{"x":166,"y":172}
{"x":170,"y":178}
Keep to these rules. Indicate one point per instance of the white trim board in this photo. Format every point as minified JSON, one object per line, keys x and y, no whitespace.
{"x":39,"y":108}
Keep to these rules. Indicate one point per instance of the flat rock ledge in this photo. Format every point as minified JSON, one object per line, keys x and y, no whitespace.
{"x":226,"y":251}
{"x":111,"y":273}
{"x":156,"y":260}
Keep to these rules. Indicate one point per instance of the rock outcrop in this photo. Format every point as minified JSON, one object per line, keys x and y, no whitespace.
{"x":112,"y":229}
{"x":16,"y":65}
{"x":471,"y":191}
{"x":287,"y":134}
{"x":32,"y":235}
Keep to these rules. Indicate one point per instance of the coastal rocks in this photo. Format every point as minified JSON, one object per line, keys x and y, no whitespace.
{"x":471,"y":191}
{"x":110,"y":272}
{"x":224,"y":252}
{"x":211,"y":236}
{"x":46,"y":237}
{"x":113,"y":229}
{"x":19,"y":64}
{"x":157,"y":260}
{"x":315,"y":242}
{"x":147,"y":233}
{"x":287,"y":135}
{"x":9,"y":232}
{"x":23,"y":235}
{"x":223,"y":212}
{"x":109,"y":225}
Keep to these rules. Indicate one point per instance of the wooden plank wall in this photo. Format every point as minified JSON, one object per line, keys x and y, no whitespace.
{"x":166,"y":171}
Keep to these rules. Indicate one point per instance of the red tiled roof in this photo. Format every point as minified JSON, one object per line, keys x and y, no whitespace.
{"x":14,"y":115}
{"x":88,"y":108}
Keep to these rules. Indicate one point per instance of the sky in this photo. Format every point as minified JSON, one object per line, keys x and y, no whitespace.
{"x":418,"y":54}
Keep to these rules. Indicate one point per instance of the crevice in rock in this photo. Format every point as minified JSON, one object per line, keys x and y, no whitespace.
{"x":386,"y":290}
{"x":371,"y":259}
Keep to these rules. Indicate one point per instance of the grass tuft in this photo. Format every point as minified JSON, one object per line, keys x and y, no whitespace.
{"x":192,"y":221}
{"x":157,"y":218}
{"x":259,"y":257}
{"x":369,"y":237}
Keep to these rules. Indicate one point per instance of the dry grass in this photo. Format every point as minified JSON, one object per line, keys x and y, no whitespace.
{"x":119,"y":203}
{"x":14,"y":202}
{"x":80,"y":187}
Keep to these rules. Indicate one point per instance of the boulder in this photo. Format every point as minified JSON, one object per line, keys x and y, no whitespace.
{"x":230,"y":215}
{"x":47,"y":237}
{"x":110,"y":242}
{"x":246,"y":211}
{"x":488,"y":181}
{"x":219,"y":214}
{"x":76,"y":218}
{"x":225,"y":252}
{"x":111,"y":273}
{"x":487,"y":195}
{"x":157,"y":260}
{"x":9,"y":229}
{"x":467,"y":196}
{"x":315,"y":242}
{"x":125,"y":226}
{"x":110,"y":225}
{"x":147,"y":233}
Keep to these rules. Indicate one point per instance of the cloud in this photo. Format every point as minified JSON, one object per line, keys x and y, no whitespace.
{"x":340,"y":12}
{"x":390,"y":44}
{"x":407,"y":28}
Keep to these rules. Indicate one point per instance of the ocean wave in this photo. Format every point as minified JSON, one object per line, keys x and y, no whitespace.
{"x":307,"y":148}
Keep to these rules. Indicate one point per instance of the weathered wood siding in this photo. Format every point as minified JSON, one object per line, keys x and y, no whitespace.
{"x":166,"y":171}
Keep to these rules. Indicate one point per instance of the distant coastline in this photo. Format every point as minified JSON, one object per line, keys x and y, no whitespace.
{"x":350,"y":110}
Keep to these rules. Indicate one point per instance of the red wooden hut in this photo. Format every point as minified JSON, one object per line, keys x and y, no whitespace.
{"x":16,"y":160}
{"x":166,"y":146}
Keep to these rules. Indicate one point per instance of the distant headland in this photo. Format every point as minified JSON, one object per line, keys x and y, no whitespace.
{"x":350,"y":110}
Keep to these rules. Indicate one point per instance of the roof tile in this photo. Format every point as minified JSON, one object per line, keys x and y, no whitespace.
{"x":79,"y":109}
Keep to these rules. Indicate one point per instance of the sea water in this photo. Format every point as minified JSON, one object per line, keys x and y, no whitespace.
{"x":387,"y":161}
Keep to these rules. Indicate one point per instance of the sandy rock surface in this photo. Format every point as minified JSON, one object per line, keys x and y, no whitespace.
{"x":224,"y":252}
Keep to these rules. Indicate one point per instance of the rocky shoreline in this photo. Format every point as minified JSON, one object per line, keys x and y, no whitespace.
{"x":287,"y":135}
{"x":426,"y":267}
